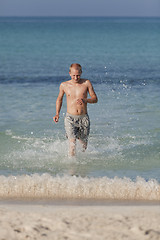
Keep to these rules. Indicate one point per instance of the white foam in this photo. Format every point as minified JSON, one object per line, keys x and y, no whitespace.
{"x":8,"y":132}
{"x":47,"y":186}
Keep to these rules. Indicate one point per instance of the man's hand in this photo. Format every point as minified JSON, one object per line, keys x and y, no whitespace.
{"x":81,"y":101}
{"x":56,"y":118}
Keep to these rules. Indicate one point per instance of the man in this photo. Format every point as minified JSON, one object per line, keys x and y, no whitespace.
{"x":77,"y":123}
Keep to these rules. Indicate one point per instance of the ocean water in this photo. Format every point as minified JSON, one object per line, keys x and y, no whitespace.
{"x":121,"y":57}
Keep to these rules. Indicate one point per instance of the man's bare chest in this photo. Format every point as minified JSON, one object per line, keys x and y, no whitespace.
{"x":76,"y":91}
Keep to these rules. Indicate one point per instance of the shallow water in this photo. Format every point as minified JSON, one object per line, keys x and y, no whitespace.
{"x":120,"y":56}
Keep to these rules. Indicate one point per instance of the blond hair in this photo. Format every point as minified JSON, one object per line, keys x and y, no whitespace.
{"x":76,"y":66}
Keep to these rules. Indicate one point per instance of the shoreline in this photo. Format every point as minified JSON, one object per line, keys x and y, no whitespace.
{"x":61,"y":220}
{"x":77,"y":202}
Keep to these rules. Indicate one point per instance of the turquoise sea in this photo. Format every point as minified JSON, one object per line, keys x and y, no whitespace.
{"x":121,"y":57}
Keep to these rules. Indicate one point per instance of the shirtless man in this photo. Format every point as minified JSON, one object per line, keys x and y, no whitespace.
{"x":77,"y":123}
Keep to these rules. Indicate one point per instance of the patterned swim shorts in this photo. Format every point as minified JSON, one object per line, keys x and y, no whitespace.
{"x":77,"y":126}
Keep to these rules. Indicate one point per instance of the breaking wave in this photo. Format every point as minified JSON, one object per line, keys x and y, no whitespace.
{"x":72,"y":187}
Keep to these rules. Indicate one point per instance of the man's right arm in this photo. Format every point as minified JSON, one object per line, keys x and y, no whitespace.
{"x":59,"y":103}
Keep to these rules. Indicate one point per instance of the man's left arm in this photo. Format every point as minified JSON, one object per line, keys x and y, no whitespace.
{"x":93,"y":97}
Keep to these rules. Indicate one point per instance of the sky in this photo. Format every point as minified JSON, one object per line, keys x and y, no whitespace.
{"x":141,"y":8}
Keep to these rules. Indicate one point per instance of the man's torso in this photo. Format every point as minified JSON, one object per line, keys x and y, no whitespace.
{"x":75,"y":91}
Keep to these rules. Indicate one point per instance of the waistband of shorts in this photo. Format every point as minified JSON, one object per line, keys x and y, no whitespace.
{"x":77,"y":116}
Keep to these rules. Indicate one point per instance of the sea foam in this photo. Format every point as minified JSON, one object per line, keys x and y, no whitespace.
{"x":72,"y":187}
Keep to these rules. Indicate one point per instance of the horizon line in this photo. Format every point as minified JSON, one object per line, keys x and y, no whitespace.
{"x":51,"y":16}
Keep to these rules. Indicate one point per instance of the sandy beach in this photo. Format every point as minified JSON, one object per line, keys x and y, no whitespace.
{"x":81,"y":221}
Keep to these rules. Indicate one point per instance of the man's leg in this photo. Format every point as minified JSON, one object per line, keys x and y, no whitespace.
{"x":84,"y":145}
{"x":72,"y":147}
{"x":84,"y":132}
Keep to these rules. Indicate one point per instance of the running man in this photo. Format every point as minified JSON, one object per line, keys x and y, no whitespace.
{"x":77,"y":123}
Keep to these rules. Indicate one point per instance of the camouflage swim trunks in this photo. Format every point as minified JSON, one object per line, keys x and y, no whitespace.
{"x":77,"y":126}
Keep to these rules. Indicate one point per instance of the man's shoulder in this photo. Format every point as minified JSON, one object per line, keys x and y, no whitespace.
{"x":85,"y":80}
{"x":88,"y":83}
{"x":64,"y":85}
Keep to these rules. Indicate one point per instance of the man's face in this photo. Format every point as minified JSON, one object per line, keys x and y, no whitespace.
{"x":75,"y":74}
